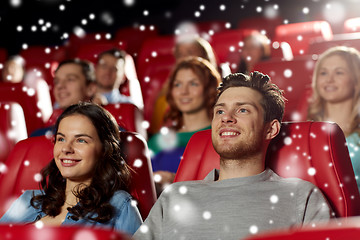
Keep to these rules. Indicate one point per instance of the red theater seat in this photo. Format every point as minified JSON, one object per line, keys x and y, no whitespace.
{"x":291,"y":76}
{"x":90,"y":51}
{"x":227,"y":45}
{"x":74,"y":41}
{"x":300,"y":35}
{"x":151,"y":49}
{"x":352,"y":25}
{"x":35,"y":102}
{"x":156,"y":76}
{"x":319,"y":46}
{"x":313,"y":151}
{"x":12,"y":127}
{"x":132,"y":38}
{"x":207,"y":28}
{"x":32,"y":232}
{"x":336,"y":230}
{"x":42,"y":64}
{"x":128,"y":116}
{"x":29,"y":156}
{"x":261,"y":24}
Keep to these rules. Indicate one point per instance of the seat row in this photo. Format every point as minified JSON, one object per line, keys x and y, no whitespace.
{"x":293,"y":153}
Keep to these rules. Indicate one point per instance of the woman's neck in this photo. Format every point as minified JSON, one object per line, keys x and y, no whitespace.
{"x":71,"y":188}
{"x":195,"y":121}
{"x":339,"y":113}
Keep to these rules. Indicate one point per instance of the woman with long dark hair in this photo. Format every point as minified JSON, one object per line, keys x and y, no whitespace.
{"x":87,"y":181}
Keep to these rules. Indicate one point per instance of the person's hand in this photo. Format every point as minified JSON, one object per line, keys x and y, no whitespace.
{"x":162,"y":180}
{"x":99,"y":99}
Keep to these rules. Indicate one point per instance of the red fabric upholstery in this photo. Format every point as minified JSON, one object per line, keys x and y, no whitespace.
{"x":204,"y":28}
{"x":31,"y":232}
{"x":298,"y":35}
{"x":291,"y":76}
{"x":45,"y":57}
{"x":260,"y":24}
{"x":132,"y":38}
{"x":90,"y":51}
{"x":158,"y":73}
{"x":319,"y":46}
{"x":352,"y":25}
{"x":128,"y":116}
{"x":31,"y":155}
{"x":162,"y":46}
{"x":342,"y":229}
{"x":312,"y":151}
{"x":75,"y":41}
{"x":12,"y":127}
{"x":227,"y":45}
{"x":16,"y":92}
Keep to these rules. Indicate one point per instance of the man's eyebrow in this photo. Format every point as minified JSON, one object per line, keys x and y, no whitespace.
{"x":237,"y":104}
{"x":72,"y":75}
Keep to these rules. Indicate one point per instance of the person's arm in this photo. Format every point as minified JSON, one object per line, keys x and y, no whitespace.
{"x":316,"y":208}
{"x":20,"y":210}
{"x":151,"y":229}
{"x":128,"y":218}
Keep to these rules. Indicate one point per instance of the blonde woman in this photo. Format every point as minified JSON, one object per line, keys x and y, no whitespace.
{"x":336,"y":92}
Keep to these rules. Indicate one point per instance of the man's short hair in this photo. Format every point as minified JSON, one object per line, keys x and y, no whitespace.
{"x":87,"y":68}
{"x":273,"y":101}
{"x":115,"y":52}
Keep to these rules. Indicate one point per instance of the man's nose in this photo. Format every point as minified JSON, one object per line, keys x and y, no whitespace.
{"x":228,"y":118}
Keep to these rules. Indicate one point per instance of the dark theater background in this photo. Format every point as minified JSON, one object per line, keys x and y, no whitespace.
{"x":44,"y":22}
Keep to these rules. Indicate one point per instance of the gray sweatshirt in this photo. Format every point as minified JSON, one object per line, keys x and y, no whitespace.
{"x":233,"y":208}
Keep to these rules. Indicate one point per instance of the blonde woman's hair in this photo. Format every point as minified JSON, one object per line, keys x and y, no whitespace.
{"x":317,"y":103}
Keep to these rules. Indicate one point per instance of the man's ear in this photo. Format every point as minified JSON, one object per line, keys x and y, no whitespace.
{"x":91,"y":90}
{"x":273,"y":129}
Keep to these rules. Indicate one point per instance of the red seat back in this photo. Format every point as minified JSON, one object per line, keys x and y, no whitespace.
{"x":291,"y":76}
{"x":28,"y":99}
{"x":299,"y":35}
{"x":12,"y":127}
{"x":227,"y":46}
{"x":74,"y":41}
{"x":335,"y":230}
{"x":352,"y":25}
{"x":152,"y":49}
{"x":128,"y":116}
{"x":29,"y":156}
{"x":42,"y":64}
{"x":319,"y":46}
{"x":90,"y":51}
{"x":32,"y":232}
{"x":312,"y":151}
{"x":132,"y":38}
{"x":261,"y":24}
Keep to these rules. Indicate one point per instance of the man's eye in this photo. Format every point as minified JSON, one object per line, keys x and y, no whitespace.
{"x":243,"y":110}
{"x":60,"y":139}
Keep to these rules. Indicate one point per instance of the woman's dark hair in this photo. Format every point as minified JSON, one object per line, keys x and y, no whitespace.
{"x":209,"y":77}
{"x":111,"y":172}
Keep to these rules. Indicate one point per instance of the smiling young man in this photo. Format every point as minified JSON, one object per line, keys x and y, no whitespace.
{"x":243,"y":196}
